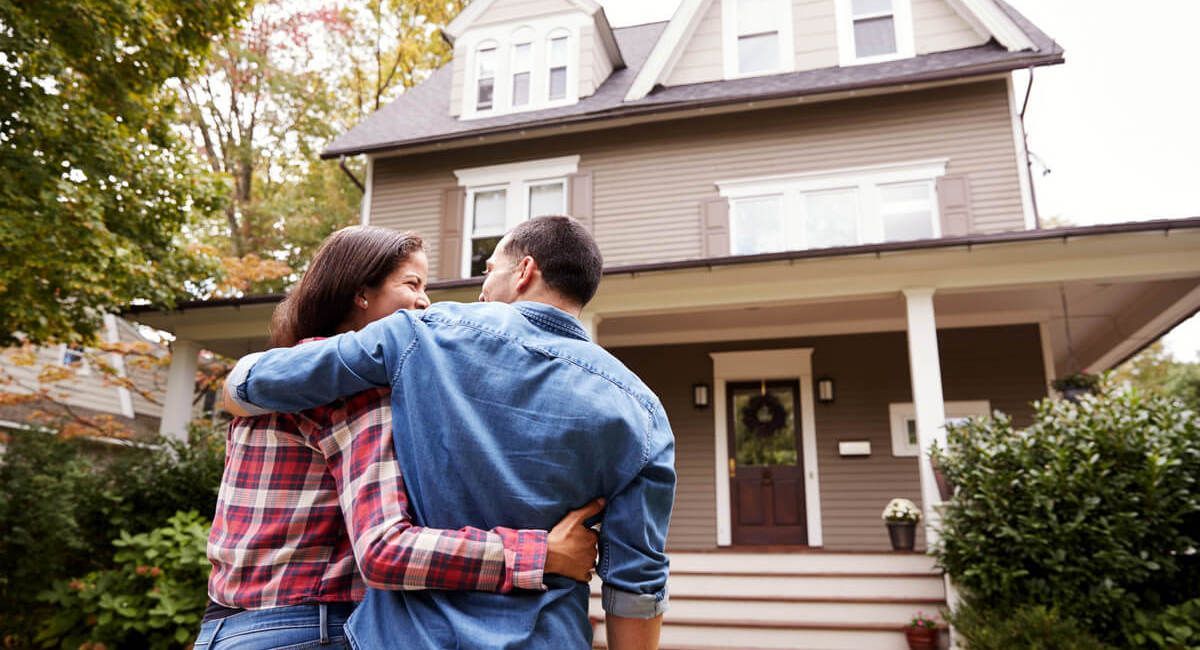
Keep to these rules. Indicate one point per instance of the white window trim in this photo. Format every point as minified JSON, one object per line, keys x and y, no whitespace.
{"x":729,"y":41}
{"x":537,"y":32}
{"x":899,"y":413}
{"x":515,"y":179}
{"x":473,"y":99}
{"x":902,"y":19}
{"x":867,"y":180}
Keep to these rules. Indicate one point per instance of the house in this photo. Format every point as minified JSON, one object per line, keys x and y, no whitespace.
{"x":820,"y":244}
{"x":130,"y":398}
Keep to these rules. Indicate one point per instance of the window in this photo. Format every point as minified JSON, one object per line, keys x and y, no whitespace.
{"x":556,"y":59}
{"x":758,"y":37}
{"x":501,"y":196}
{"x":904,"y":422}
{"x":485,"y":77}
{"x":72,"y":355}
{"x":869,"y":205}
{"x":522,"y":66}
{"x":874,"y":30}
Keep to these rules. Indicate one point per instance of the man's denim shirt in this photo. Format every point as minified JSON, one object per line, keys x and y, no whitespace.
{"x":503,"y":415}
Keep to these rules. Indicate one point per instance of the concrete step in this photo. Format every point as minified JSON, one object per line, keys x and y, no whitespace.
{"x":805,"y":562}
{"x":860,"y":586}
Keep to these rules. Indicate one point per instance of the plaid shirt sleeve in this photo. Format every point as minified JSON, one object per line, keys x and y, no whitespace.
{"x":393,"y":553}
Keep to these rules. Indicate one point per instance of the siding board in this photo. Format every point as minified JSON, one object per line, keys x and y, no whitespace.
{"x":1001,"y":364}
{"x":651,"y":180}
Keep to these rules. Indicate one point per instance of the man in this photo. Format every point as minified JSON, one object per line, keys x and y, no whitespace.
{"x":505,"y":414}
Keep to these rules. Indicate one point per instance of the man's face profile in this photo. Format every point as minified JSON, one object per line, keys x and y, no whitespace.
{"x":499,"y":280}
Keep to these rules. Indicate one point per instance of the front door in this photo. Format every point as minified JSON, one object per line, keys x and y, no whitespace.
{"x":766,"y":470}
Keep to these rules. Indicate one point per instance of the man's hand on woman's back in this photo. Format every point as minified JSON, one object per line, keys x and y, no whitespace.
{"x":572,"y":546}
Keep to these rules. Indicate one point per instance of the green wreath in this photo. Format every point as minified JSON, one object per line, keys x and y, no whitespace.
{"x":763,"y":415}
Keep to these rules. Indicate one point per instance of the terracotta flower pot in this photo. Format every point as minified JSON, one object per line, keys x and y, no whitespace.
{"x":903,"y":535}
{"x":921,"y":638}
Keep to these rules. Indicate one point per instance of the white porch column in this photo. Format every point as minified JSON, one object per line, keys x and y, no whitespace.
{"x":926,"y":369}
{"x":181,"y":387}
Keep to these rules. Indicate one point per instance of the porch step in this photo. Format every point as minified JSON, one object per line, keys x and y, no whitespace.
{"x":805,"y":600}
{"x":741,"y":635}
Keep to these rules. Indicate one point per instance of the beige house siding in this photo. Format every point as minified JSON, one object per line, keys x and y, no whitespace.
{"x":459,"y":71}
{"x":595,"y":66}
{"x":144,"y":373}
{"x":936,"y":28}
{"x":650,"y":181}
{"x":1001,"y":364}
{"x":503,"y":11}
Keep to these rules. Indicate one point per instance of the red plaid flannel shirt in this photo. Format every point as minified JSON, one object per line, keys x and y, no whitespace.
{"x":305,"y":495}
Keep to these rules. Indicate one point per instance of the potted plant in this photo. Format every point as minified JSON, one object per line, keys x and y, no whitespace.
{"x":901,"y":517}
{"x":921,"y":633}
{"x":1076,"y":385}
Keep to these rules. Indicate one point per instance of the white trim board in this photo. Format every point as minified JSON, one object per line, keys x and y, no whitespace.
{"x":795,"y":363}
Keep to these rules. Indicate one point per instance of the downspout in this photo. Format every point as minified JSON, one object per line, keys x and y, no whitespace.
{"x":1037,"y":217}
{"x":362,"y":188}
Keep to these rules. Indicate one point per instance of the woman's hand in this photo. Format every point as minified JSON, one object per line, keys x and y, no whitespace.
{"x":571,"y":546}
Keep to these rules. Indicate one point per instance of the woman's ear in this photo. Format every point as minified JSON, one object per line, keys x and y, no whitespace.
{"x":360,"y":300}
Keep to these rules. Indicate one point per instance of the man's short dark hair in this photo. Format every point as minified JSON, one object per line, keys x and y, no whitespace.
{"x":564,"y":250}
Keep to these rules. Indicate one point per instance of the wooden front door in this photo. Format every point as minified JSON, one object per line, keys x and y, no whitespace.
{"x":766,"y":469}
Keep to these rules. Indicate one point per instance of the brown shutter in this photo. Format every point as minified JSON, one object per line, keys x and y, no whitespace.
{"x":715,"y":222}
{"x":450,"y":244}
{"x":579,"y":198}
{"x":954,"y":205}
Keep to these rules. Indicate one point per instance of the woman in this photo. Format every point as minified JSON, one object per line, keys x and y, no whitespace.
{"x":312,"y":505}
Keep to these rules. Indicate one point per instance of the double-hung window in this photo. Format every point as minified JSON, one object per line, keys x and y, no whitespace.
{"x":485,"y":77}
{"x":841,"y":208}
{"x":522,"y":70}
{"x":556,"y":60}
{"x":758,"y":37}
{"x":502,"y":196}
{"x":874,"y":30}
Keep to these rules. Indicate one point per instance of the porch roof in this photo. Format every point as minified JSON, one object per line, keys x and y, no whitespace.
{"x":1124,"y":284}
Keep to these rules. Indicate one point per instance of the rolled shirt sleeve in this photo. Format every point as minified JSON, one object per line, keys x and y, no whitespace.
{"x":633,"y":563}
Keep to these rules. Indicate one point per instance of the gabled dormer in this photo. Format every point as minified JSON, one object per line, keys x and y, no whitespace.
{"x":524,"y":55}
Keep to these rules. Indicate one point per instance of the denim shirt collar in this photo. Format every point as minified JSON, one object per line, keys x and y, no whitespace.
{"x":552,"y":319}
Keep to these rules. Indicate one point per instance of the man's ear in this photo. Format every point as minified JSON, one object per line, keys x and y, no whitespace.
{"x":527,"y":272}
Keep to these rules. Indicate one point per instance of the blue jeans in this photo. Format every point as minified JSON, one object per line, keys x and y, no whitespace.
{"x":280,"y":628}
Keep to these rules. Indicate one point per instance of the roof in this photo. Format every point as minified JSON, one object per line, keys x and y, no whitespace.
{"x":1156,"y":225}
{"x":421,"y":116}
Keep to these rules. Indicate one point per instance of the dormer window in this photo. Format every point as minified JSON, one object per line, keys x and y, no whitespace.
{"x":522,"y":71}
{"x":485,"y":77}
{"x":870,"y":31}
{"x":758,"y":37}
{"x":556,"y":59}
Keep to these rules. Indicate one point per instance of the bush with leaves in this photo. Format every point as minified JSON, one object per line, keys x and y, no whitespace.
{"x":1092,"y":512}
{"x":62,"y":505}
{"x":1175,"y":628}
{"x":153,"y":598}
{"x":1031,"y":627}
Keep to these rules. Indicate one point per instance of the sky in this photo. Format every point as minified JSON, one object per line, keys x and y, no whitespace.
{"x":1117,"y":125}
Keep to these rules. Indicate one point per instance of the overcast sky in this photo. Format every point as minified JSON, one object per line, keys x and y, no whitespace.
{"x":1118,"y":124}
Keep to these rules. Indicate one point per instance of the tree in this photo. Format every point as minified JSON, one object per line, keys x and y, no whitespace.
{"x":1154,"y":370}
{"x":95,"y":189}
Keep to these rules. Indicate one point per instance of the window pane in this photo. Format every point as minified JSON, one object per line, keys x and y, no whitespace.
{"x":757,"y":16}
{"x":489,"y":213}
{"x":520,"y":91}
{"x":875,"y":36}
{"x":831,"y":218}
{"x":757,"y":225}
{"x":907,"y":211}
{"x":864,"y":7}
{"x":486,"y":91}
{"x":756,"y":443}
{"x":558,"y":83}
{"x":481,"y":250}
{"x":486,"y":62}
{"x":546,"y":199}
{"x":558,"y":51}
{"x":521,"y":56}
{"x":759,"y":53}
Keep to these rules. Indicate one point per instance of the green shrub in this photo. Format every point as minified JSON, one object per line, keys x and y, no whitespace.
{"x":1029,"y":628}
{"x":1175,"y":628}
{"x":153,"y":598}
{"x":1093,"y":512}
{"x":61,"y":507}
